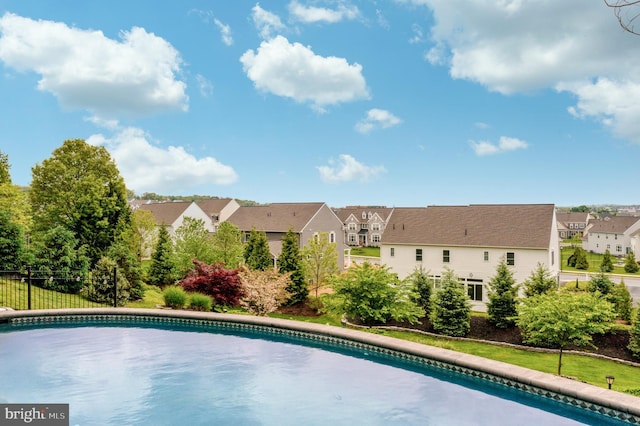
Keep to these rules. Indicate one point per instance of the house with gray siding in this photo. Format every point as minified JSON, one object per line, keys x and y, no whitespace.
{"x":363,"y":225}
{"x":618,"y":234}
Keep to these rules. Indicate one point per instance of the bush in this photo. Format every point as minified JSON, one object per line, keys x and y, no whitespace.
{"x":634,"y":336}
{"x":622,"y":301}
{"x":630,"y":264}
{"x":200,"y":302}
{"x":101,"y":285}
{"x":174,"y":297}
{"x":451,"y":310}
{"x":223,"y":285}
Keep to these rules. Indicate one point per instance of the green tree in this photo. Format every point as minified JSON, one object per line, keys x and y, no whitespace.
{"x":502,"y":297}
{"x":607,"y":262}
{"x":257,"y":255}
{"x":163,"y":267}
{"x":192,"y":242}
{"x":578,"y":259}
{"x":539,"y":281}
{"x":423,"y":288}
{"x":144,"y":226}
{"x":373,"y":295}
{"x":5,"y":176}
{"x":227,"y":245}
{"x":124,"y":253}
{"x":622,"y":301}
{"x":580,"y":209}
{"x":15,"y":203}
{"x":80,"y":188}
{"x":291,"y":262}
{"x":563,"y":318}
{"x":320,"y":260}
{"x":630,"y":264}
{"x":12,"y":249}
{"x":600,"y":283}
{"x":634,"y":335}
{"x":101,"y":287}
{"x":451,"y":309}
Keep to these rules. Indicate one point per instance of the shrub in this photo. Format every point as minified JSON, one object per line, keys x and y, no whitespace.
{"x":634,"y":336}
{"x":600,"y":283}
{"x":101,"y":285}
{"x":174,"y":297}
{"x":200,"y":302}
{"x":264,"y":291}
{"x":539,"y":281}
{"x":502,"y":297}
{"x":622,"y":301}
{"x":607,"y":262}
{"x":630,"y":264}
{"x":451,"y":314}
{"x":223,"y":285}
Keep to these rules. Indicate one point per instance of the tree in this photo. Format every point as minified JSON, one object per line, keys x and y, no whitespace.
{"x":192,"y":242}
{"x":578,"y":259}
{"x":600,"y":283}
{"x":256,"y":251}
{"x":5,"y":176}
{"x":80,"y":188}
{"x":163,"y":268}
{"x":634,"y":335}
{"x":563,"y":318}
{"x":630,"y":264}
{"x":622,"y":301}
{"x":373,"y":295}
{"x":123,"y":252}
{"x":580,"y":209}
{"x":423,"y":288}
{"x":451,"y":310}
{"x":264,"y":291}
{"x":144,"y":225}
{"x":227,"y":245}
{"x":320,"y":260}
{"x":291,"y":262}
{"x":222,"y":284}
{"x":627,"y":12}
{"x":607,"y":262}
{"x":101,"y":287}
{"x":12,"y":249}
{"x":15,"y":203}
{"x":539,"y":282}
{"x":502,"y":297}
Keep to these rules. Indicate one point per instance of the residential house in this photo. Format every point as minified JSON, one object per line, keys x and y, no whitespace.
{"x":572,"y":224}
{"x":618,"y":234}
{"x":218,"y":209}
{"x":305,"y":219}
{"x":471,"y":241}
{"x":363,"y":226}
{"x":172,"y":213}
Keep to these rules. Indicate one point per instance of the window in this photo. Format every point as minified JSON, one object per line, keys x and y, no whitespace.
{"x":332,"y":237}
{"x":418,"y":255}
{"x":246,"y":236}
{"x":511,"y":258}
{"x":582,"y":226}
{"x":392,"y":251}
{"x":353,"y":238}
{"x":445,"y":256}
{"x":352,"y":226}
{"x":608,"y":246}
{"x":369,"y":215}
{"x":364,"y":226}
{"x":375,"y":238}
{"x":375,"y":226}
{"x":474,"y":291}
{"x":619,"y":248}
{"x":364,"y":215}
{"x":486,"y":256}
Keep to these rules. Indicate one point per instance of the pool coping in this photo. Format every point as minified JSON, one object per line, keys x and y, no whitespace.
{"x":590,"y":394}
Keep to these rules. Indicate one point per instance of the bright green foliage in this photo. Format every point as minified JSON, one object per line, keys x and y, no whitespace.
{"x":320,"y":260}
{"x":502,"y":297}
{"x":257,"y":255}
{"x":423,"y":288}
{"x":630,"y":264}
{"x":634,"y":335}
{"x":578,"y":259}
{"x":15,"y":203}
{"x":373,"y":295}
{"x":163,"y":268}
{"x":80,"y":188}
{"x":560,"y":319}
{"x":101,"y":285}
{"x":451,"y":309}
{"x":290,"y":261}
{"x":5,"y":176}
{"x":227,"y":245}
{"x":12,"y":249}
{"x":607,"y":262}
{"x":600,"y":283}
{"x":174,"y":297}
{"x":200,"y":302}
{"x":145,"y":235}
{"x":192,"y":242}
{"x":622,"y":301}
{"x":124,"y":252}
{"x":539,"y":282}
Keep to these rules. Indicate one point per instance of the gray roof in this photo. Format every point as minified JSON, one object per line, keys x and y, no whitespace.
{"x":168,"y":212}
{"x":276,"y":217}
{"x":343,"y":213}
{"x":214,"y":205}
{"x":572,"y":217}
{"x":505,"y":225}
{"x":613,"y":225}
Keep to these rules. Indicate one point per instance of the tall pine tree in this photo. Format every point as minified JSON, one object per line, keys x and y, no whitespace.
{"x":257,"y":255}
{"x":163,"y":267}
{"x":290,"y":261}
{"x":502,"y":297}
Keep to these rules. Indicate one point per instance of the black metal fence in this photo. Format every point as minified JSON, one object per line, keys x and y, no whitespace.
{"x":33,"y":289}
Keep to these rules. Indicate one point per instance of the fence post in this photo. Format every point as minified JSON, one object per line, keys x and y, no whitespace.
{"x":29,"y":287}
{"x":115,"y":286}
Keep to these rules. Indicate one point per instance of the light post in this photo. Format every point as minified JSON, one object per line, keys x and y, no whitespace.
{"x":610,"y":380}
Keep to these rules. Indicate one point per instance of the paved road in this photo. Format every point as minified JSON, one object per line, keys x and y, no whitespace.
{"x":632,"y":283}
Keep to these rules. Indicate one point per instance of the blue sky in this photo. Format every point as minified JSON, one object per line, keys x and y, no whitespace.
{"x":395,"y":103}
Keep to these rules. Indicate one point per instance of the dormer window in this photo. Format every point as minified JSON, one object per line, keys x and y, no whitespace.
{"x":364,"y":215}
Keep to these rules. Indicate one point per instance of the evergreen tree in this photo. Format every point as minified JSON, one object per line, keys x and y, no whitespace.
{"x":423,"y":288}
{"x":290,"y":261}
{"x":578,"y":259}
{"x":257,"y":255}
{"x":101,"y":287}
{"x":502,"y":297}
{"x":227,"y":245}
{"x":539,"y":282}
{"x":622,"y":301}
{"x":12,"y":250}
{"x":451,"y":310}
{"x":600,"y":283}
{"x":163,"y":268}
{"x":607,"y":262}
{"x":630,"y":264}
{"x":634,"y":335}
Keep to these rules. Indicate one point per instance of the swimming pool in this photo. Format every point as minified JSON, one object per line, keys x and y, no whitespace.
{"x":119,"y":366}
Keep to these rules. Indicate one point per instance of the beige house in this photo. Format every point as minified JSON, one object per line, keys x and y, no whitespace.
{"x":618,"y":234}
{"x":305,"y":219}
{"x":572,"y":224}
{"x":471,"y":241}
{"x":363,"y":225}
{"x":172,"y":214}
{"x":218,"y":209}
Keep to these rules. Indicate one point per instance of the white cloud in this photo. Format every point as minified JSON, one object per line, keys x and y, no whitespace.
{"x":312,"y":14}
{"x":505,"y":144}
{"x":348,"y":169}
{"x":225,"y":32}
{"x":513,"y":46}
{"x":267,"y":23}
{"x":206,"y":87}
{"x":86,"y":70}
{"x":418,"y":34}
{"x":377,"y":118}
{"x":481,"y":125}
{"x":149,"y":168}
{"x":294,"y":71}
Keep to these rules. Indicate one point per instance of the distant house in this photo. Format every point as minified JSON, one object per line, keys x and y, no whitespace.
{"x":471,"y":240}
{"x":305,"y":219}
{"x":572,"y":224}
{"x":172,"y":214}
{"x":618,"y":234}
{"x":218,"y":209}
{"x":363,"y":226}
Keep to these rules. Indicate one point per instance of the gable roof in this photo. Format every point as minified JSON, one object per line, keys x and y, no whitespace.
{"x":168,"y":212}
{"x":572,"y":217}
{"x":213,"y":205}
{"x":613,"y":224}
{"x":505,"y":225}
{"x":276,"y":217}
{"x":344,"y":213}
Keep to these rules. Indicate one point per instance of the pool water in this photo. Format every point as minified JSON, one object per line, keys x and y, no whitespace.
{"x":137,"y":375}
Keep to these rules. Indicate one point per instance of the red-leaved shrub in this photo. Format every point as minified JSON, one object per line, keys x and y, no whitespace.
{"x":223,"y":285}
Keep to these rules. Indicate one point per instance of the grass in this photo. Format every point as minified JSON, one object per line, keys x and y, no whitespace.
{"x":594,"y":259}
{"x":366,"y":251}
{"x":14,"y":294}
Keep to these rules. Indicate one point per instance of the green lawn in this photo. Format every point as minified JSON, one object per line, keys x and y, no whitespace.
{"x":594,"y":260}
{"x":365,"y":251}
